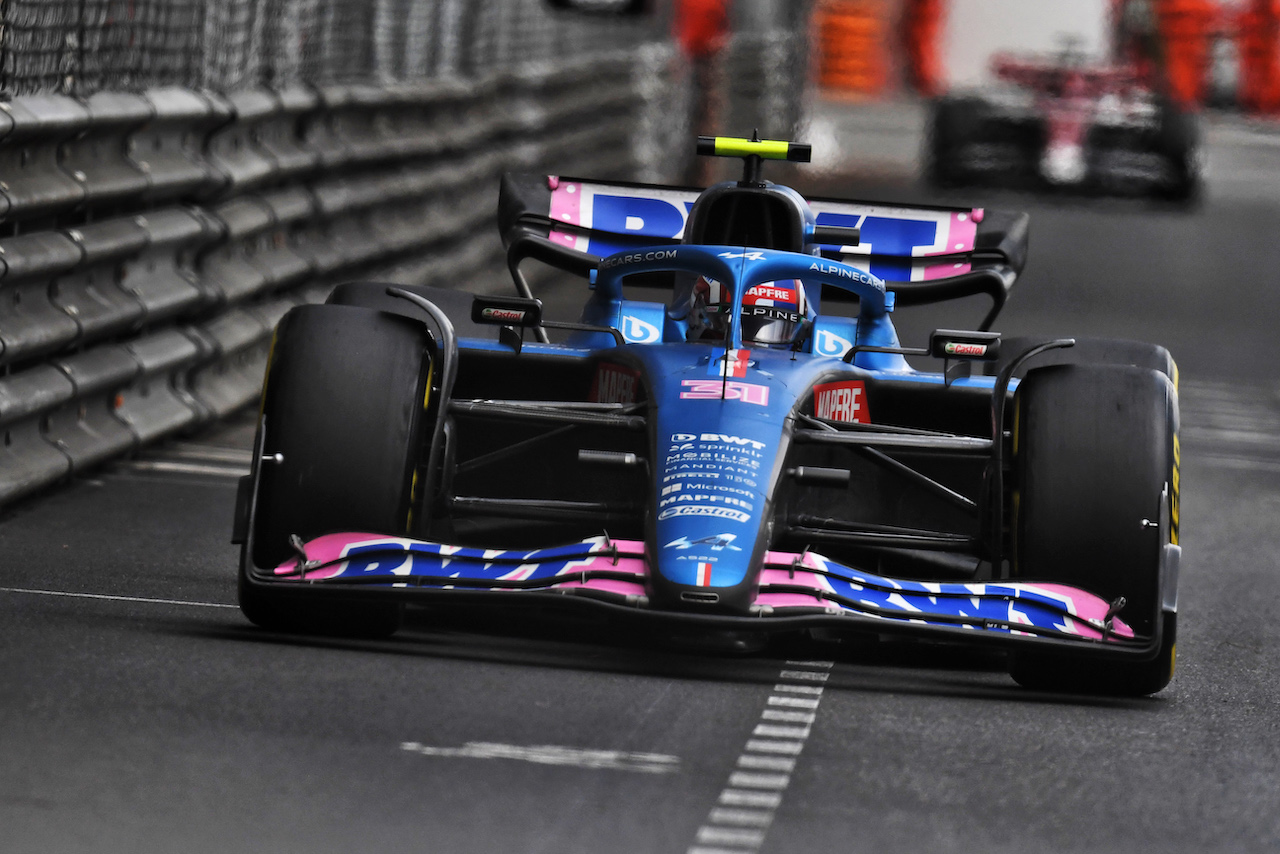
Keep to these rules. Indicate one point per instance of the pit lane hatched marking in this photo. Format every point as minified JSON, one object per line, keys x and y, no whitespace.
{"x":745,"y":808}
{"x":554,"y":754}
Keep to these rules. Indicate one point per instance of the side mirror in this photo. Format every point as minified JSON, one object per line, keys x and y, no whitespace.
{"x":604,"y":7}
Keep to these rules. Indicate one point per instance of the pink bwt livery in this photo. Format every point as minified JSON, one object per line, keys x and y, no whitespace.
{"x":665,"y":213}
{"x":788,"y":582}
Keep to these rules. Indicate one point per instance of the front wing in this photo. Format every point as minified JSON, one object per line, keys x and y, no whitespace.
{"x":796,"y":591}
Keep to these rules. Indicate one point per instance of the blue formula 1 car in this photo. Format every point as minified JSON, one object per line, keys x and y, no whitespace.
{"x":730,"y":438}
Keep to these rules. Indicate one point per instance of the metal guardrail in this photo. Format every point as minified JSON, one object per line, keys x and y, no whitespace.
{"x":150,"y":242}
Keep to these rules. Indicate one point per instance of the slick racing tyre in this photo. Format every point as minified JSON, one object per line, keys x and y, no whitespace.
{"x":952,"y":123}
{"x":1095,"y":454}
{"x":1178,"y":139}
{"x":344,"y":407}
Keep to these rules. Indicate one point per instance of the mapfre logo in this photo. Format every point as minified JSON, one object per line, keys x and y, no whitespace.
{"x":843,"y":401}
{"x":614,"y":384}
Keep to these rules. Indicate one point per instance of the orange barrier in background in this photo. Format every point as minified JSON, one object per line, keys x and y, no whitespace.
{"x":1258,"y":41}
{"x":853,"y":45}
{"x":701,"y":26}
{"x":922,"y":33}
{"x":1185,"y":29}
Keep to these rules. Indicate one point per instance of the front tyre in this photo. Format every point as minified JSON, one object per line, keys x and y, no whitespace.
{"x":1095,"y":455}
{"x":344,"y":407}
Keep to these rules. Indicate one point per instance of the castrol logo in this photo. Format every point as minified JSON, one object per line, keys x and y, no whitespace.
{"x":506,"y":315}
{"x":957,"y":348}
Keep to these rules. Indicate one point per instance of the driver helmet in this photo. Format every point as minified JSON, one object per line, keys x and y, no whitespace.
{"x":772,"y":312}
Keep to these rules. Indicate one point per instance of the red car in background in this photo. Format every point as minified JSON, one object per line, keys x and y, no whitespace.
{"x":1061,"y":122}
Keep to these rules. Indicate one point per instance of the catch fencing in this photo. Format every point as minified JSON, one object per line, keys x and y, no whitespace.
{"x":176,"y":174}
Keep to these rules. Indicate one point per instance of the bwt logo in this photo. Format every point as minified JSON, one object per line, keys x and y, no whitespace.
{"x":830,"y":344}
{"x":717,"y":438}
{"x":636,"y":331}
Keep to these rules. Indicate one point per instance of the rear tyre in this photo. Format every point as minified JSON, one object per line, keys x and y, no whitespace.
{"x":1179,"y":141}
{"x":952,"y":123}
{"x":344,"y":407}
{"x":1095,"y":447}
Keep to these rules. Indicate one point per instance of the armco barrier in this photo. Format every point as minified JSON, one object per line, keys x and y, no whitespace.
{"x":31,"y":324}
{"x":33,"y":181}
{"x":98,"y":156}
{"x":86,"y":428}
{"x":91,"y":293}
{"x":150,"y":242}
{"x":162,"y":275}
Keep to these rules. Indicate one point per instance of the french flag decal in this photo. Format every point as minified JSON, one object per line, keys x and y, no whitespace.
{"x":704,"y":575}
{"x":732,"y":364}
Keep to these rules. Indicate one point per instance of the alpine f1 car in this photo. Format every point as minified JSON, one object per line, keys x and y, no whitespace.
{"x":729,"y":439}
{"x":1064,"y":124}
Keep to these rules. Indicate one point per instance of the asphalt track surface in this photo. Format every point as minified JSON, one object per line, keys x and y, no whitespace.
{"x":139,"y":712}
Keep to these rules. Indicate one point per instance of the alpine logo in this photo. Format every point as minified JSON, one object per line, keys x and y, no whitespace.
{"x":717,"y":542}
{"x":614,"y":384}
{"x":842,"y":401}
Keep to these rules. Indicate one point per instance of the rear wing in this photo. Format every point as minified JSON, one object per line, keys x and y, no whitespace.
{"x":923,"y":253}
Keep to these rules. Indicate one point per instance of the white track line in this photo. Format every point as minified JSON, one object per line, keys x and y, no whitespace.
{"x":169,"y":466}
{"x":142,"y":599}
{"x":206,"y":453}
{"x":745,"y":808}
{"x":554,"y":754}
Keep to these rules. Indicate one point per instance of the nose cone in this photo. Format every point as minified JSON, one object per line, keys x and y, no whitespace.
{"x":716,"y":447}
